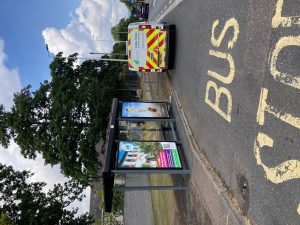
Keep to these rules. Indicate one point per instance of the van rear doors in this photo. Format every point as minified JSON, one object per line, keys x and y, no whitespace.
{"x":147,"y":47}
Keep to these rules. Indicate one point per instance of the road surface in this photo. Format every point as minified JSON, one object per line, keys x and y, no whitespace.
{"x":237,"y":76}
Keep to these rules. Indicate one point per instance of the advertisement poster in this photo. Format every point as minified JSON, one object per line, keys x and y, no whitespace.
{"x":148,"y":155}
{"x":144,"y":109}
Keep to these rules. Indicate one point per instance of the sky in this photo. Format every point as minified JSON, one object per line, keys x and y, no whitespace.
{"x":64,"y":25}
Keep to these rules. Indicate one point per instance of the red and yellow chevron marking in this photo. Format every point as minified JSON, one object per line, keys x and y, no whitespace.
{"x":162,"y":48}
{"x":129,"y":47}
{"x":152,"y":48}
{"x":156,"y":45}
{"x":162,"y":39}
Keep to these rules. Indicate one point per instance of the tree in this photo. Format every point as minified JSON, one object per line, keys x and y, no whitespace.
{"x":65,"y":117}
{"x":24,"y":203}
{"x":119,"y":32}
{"x":127,"y":3}
{"x":150,"y":148}
{"x":4,"y":219}
{"x":4,"y":129}
{"x":119,"y":48}
{"x":117,"y":214}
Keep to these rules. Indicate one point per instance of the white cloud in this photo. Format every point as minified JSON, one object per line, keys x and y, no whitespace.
{"x":42,"y":173}
{"x":10,"y":80}
{"x":93,"y":22}
{"x":12,"y":156}
{"x":10,"y":83}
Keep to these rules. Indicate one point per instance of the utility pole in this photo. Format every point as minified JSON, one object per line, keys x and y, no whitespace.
{"x":86,"y":58}
{"x":103,"y":53}
{"x":113,"y":41}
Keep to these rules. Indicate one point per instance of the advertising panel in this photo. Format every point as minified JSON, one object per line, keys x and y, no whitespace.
{"x":144,"y":109}
{"x":148,"y":155}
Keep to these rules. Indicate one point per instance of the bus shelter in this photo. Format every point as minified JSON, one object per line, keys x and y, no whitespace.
{"x":133,"y":149}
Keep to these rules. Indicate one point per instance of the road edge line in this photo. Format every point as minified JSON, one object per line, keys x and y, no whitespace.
{"x":169,"y":9}
{"x":229,"y":204}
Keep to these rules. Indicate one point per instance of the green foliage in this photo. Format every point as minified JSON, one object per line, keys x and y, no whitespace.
{"x":25,"y":203}
{"x":119,"y":33}
{"x":4,"y":219}
{"x":118,"y":30}
{"x":65,"y":117}
{"x":127,"y":3}
{"x":4,"y":129}
{"x":149,"y":148}
{"x":116,"y":216}
{"x":119,"y":48}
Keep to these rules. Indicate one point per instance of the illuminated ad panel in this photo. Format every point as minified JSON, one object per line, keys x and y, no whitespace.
{"x":148,"y":155}
{"x":144,"y":110}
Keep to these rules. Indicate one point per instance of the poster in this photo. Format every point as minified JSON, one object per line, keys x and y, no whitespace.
{"x":148,"y":155}
{"x":144,"y":109}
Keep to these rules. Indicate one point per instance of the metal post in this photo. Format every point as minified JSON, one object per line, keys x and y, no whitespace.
{"x":150,"y":188}
{"x":113,"y":40}
{"x":145,"y":119}
{"x":152,"y":171}
{"x":128,"y":89}
{"x":113,"y":60}
{"x":173,"y":131}
{"x":105,"y":53}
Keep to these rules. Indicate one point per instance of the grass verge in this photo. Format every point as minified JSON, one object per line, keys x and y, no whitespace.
{"x":163,"y":202}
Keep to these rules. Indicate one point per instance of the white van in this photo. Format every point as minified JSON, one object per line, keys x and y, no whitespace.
{"x":151,"y":46}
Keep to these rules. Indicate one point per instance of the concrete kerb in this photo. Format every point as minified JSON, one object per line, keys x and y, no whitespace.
{"x":221,"y":206}
{"x":218,"y":201}
{"x":155,"y":86}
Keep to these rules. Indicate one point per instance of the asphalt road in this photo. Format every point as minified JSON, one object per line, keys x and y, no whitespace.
{"x":240,"y":90}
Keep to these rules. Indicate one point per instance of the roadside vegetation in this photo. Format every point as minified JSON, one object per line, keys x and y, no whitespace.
{"x":62,"y":121}
{"x":163,"y":202}
{"x":24,"y":202}
{"x":116,"y":217}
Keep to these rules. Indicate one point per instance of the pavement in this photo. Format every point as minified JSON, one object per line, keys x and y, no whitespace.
{"x":137,"y":204}
{"x":235,"y":67}
{"x":207,"y":201}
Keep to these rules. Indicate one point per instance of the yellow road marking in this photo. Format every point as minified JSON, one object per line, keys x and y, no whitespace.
{"x":229,"y":23}
{"x":225,"y":79}
{"x":264,"y":107}
{"x":285,"y":171}
{"x":278,"y":20}
{"x":216,"y":105}
{"x":284,"y":78}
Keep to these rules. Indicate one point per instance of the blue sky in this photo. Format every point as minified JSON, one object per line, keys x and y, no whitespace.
{"x":21,"y":25}
{"x":65,"y":25}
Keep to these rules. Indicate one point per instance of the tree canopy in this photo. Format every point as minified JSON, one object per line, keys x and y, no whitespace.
{"x":25,"y":203}
{"x":127,"y":3}
{"x":65,"y":117}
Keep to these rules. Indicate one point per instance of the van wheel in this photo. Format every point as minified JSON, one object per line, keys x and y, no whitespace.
{"x":172,"y":27}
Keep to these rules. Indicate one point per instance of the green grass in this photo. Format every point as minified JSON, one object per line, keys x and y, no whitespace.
{"x":163,"y":202}
{"x":151,"y":135}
